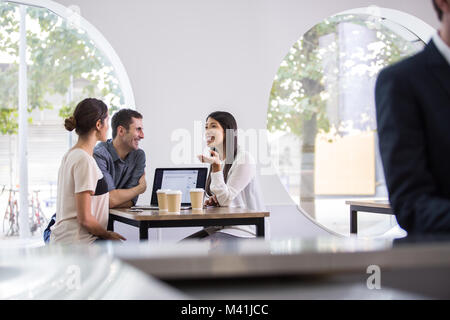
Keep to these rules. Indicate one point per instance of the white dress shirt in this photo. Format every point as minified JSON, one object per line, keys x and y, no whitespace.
{"x":240,"y":191}
{"x":443,"y":48}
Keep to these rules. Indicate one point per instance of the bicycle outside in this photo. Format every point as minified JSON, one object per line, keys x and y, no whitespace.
{"x":10,"y":218}
{"x":37,"y":219}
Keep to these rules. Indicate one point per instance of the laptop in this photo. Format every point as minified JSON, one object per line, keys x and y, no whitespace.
{"x":182,"y":179}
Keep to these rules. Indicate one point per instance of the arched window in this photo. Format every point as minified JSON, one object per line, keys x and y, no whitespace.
{"x":67,"y":60}
{"x":321,"y":116}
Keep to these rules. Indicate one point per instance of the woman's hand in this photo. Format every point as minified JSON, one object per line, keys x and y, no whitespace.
{"x":111,"y":235}
{"x":211,"y":202}
{"x":213,"y":159}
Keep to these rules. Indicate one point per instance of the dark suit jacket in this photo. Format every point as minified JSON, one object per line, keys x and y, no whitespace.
{"x":413,"y":118}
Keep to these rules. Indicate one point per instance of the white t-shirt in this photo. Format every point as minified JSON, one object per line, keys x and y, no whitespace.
{"x":78,"y":173}
{"x":241,"y":190}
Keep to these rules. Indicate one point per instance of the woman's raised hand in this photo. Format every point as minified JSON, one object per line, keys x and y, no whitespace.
{"x":212,"y":159}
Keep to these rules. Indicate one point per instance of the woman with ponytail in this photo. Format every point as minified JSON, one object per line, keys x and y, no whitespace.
{"x":82,"y":204}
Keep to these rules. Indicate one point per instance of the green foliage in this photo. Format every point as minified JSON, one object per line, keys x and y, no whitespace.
{"x":8,"y":123}
{"x":308,"y":76}
{"x":67,"y":110}
{"x":8,"y":98}
{"x":59,"y":55}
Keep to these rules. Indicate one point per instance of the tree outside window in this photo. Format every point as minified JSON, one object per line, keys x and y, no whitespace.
{"x":64,"y":66}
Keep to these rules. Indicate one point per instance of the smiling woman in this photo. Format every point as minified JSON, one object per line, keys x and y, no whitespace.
{"x":67,"y":59}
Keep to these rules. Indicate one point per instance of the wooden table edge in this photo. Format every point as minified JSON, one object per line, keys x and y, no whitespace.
{"x":139,"y":216}
{"x":368,"y":204}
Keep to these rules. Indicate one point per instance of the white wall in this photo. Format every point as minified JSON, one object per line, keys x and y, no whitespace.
{"x":188,"y":58}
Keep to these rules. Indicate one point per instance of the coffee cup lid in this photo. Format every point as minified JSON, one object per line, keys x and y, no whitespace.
{"x":174,"y":192}
{"x":197,"y":190}
{"x":162,"y":190}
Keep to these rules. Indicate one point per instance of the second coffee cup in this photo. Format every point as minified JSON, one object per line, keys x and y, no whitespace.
{"x":162,"y":199}
{"x":174,"y":201}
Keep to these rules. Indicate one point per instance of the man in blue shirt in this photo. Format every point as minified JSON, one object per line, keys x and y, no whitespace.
{"x":121,"y":161}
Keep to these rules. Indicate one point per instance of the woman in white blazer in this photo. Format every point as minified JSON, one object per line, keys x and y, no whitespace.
{"x":232,"y":180}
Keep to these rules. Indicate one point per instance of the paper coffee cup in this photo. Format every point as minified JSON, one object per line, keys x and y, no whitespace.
{"x":162,"y":199}
{"x":197,"y":198}
{"x":174,"y":201}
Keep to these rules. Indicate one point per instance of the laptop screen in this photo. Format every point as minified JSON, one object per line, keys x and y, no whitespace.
{"x":182,"y":179}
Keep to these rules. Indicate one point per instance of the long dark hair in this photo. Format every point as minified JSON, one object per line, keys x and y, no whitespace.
{"x":229,"y":125}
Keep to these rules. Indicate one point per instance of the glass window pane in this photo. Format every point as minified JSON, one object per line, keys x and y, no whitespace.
{"x":321,"y":117}
{"x":64,"y":66}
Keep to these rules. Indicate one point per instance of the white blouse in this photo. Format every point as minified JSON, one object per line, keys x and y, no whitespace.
{"x":240,"y":191}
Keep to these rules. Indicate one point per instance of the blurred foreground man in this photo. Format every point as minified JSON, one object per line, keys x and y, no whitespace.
{"x":413,"y":117}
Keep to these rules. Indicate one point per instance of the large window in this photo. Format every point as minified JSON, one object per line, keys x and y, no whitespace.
{"x":67,"y":60}
{"x":321,"y":116}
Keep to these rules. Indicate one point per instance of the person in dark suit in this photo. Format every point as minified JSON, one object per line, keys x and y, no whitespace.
{"x":413,"y":118}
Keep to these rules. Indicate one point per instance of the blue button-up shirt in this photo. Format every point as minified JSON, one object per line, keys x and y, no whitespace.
{"x":118,"y":173}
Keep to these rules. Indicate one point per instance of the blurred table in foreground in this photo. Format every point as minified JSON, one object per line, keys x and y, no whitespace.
{"x":318,"y":268}
{"x":323,"y":267}
{"x":73,"y":273}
